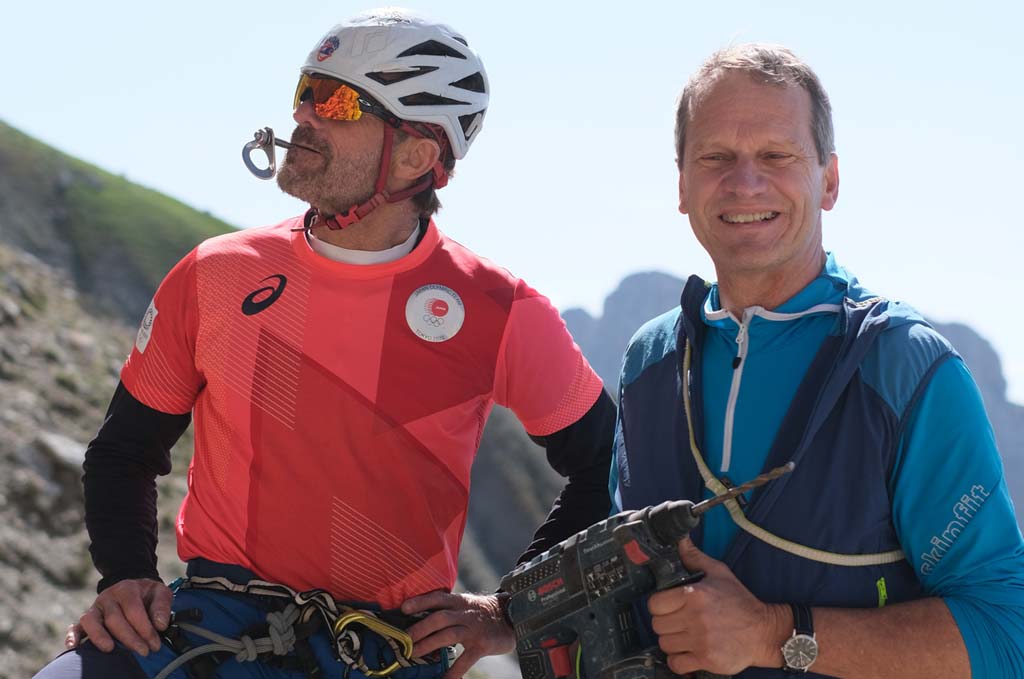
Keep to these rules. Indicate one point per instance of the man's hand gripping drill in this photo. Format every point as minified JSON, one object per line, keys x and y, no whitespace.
{"x":572,"y":606}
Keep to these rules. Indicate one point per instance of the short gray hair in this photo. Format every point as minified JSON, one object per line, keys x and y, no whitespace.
{"x":770,"y":65}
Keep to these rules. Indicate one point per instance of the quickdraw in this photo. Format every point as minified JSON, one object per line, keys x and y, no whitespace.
{"x":301,"y":609}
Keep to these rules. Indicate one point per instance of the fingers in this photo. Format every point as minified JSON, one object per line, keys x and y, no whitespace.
{"x":685,"y":652}
{"x":449,"y":636}
{"x":120,"y":628}
{"x":126,"y":612}
{"x":432,"y":623}
{"x":138,"y":617}
{"x":430,"y":601}
{"x":669,"y":601}
{"x":669,"y":624}
{"x":160,"y":607}
{"x":91,"y":623}
{"x":474,"y":621}
{"x":683,"y":663}
{"x":462,"y":664}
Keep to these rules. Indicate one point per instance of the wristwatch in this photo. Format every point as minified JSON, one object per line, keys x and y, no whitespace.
{"x":800,"y":650}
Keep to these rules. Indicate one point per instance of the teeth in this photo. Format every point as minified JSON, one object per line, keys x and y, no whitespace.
{"x":747,"y":218}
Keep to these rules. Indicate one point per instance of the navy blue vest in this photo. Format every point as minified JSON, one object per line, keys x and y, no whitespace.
{"x":842,"y":434}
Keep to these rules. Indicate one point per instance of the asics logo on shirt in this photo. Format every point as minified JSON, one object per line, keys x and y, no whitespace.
{"x":260,"y":299}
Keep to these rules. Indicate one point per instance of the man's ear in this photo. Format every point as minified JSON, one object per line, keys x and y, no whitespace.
{"x":682,"y":193}
{"x":414,"y":157}
{"x":830,"y":192}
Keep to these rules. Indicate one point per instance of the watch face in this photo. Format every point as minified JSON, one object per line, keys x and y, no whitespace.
{"x":800,"y":651}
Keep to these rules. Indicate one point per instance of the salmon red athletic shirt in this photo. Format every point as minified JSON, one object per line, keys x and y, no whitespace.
{"x":338,"y":407}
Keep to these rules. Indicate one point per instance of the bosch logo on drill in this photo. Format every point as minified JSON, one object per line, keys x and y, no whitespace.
{"x":548,"y":587}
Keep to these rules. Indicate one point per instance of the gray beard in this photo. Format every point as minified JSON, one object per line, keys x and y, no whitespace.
{"x":331,"y":185}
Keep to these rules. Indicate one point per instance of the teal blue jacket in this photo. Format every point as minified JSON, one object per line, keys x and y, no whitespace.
{"x":894,"y":451}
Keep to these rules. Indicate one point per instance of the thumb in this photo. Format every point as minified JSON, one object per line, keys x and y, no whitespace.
{"x":693,"y":558}
{"x":73,"y":636}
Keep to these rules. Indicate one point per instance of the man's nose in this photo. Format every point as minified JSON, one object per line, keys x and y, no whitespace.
{"x":305,"y":113}
{"x":746,"y":178}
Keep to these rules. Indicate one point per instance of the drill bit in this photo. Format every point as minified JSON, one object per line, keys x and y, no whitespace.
{"x":704,"y":506}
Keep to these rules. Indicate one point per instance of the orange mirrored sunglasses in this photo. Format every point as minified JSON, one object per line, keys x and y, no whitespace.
{"x":332,"y":99}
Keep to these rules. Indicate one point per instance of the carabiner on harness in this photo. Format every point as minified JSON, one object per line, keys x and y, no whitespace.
{"x":264,"y":140}
{"x":383,"y":629}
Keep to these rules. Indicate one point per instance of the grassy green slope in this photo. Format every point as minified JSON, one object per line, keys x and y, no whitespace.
{"x":154,"y":230}
{"x":101,"y":220}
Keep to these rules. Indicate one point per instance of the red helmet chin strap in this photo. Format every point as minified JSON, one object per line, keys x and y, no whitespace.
{"x":438,"y":179}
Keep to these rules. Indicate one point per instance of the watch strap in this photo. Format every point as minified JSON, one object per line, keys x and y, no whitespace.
{"x":803,"y":621}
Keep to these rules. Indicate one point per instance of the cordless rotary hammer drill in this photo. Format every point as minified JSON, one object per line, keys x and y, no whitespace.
{"x":571,"y":606}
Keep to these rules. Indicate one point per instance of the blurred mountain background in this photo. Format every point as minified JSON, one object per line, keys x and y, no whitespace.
{"x":81,"y":252}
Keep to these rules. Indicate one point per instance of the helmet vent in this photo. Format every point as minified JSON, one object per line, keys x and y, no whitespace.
{"x":473,"y":83}
{"x":470,"y":122}
{"x":428,"y":99}
{"x":391,"y":77}
{"x":432,"y":48}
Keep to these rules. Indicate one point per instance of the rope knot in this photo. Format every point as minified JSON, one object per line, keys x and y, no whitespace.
{"x":281,"y":628}
{"x":248,"y":653}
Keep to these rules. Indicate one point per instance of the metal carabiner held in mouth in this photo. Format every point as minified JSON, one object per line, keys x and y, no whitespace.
{"x":264,"y":140}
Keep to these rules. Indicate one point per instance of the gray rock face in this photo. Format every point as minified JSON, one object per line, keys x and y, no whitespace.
{"x":58,"y":366}
{"x":641,"y":297}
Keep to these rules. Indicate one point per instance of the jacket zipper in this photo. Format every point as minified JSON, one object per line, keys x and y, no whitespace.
{"x":734,"y":391}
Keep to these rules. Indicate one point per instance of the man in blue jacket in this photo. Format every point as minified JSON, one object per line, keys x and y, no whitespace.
{"x":892,"y":550}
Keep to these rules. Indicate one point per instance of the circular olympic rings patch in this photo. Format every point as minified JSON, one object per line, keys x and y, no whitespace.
{"x":435,"y":313}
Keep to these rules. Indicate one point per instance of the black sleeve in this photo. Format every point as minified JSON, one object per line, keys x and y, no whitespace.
{"x":582,"y":452}
{"x":121,"y":465}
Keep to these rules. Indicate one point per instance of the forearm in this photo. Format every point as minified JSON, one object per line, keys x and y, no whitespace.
{"x":120,"y":510}
{"x":581,"y":452}
{"x":579,"y":506}
{"x":900,"y":641}
{"x":121,"y":466}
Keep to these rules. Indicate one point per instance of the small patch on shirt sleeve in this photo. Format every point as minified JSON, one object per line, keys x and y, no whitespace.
{"x":146,"y":329}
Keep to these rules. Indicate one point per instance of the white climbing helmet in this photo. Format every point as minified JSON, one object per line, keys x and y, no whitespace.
{"x":420,"y":70}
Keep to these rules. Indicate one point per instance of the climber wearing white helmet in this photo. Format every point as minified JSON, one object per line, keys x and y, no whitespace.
{"x":339,"y":367}
{"x":414,"y":77}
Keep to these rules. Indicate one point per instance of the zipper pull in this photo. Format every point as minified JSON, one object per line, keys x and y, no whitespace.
{"x":741,"y":337}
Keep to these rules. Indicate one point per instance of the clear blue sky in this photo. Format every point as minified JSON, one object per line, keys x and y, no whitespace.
{"x":572,"y":184}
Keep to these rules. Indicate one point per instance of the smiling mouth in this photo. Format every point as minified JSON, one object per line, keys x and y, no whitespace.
{"x":749,"y":217}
